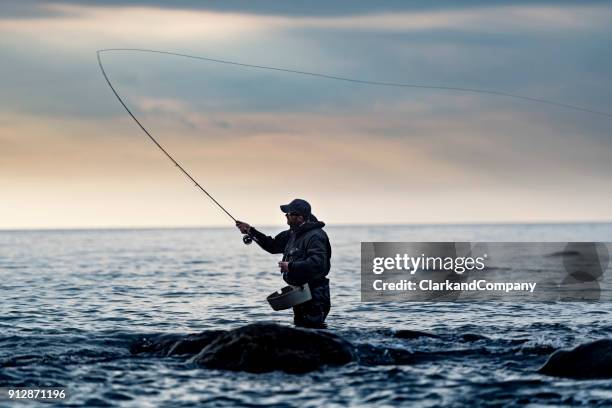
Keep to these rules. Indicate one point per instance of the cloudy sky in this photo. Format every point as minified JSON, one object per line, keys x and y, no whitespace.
{"x":70,"y":156}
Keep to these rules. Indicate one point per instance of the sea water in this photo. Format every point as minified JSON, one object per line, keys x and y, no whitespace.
{"x":72,"y":302}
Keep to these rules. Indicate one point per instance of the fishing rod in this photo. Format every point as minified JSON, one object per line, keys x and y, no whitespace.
{"x":247,"y":239}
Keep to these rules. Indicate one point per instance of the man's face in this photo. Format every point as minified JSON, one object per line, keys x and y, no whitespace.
{"x":294,"y":220}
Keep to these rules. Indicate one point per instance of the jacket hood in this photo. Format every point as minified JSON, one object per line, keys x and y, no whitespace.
{"x":312,"y":218}
{"x":312,"y":223}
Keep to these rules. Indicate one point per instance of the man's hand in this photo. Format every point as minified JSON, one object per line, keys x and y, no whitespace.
{"x":284,"y":266}
{"x":243,"y":227}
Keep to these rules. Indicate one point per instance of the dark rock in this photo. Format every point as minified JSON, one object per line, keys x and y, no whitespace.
{"x":517,"y":341}
{"x":175,"y":344}
{"x":194,"y":343}
{"x":264,"y":347}
{"x":470,"y":337}
{"x":413,"y":334}
{"x":589,"y":360}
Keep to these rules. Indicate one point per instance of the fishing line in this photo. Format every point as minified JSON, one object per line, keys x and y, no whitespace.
{"x":317,"y":75}
{"x":366,"y":82}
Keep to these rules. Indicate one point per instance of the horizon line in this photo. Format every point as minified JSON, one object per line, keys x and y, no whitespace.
{"x":344,"y":225}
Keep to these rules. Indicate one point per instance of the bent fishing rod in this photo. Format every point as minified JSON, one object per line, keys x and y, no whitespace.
{"x":247,"y":239}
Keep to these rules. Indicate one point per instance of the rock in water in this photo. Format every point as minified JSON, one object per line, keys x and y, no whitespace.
{"x":589,"y":360}
{"x":413,"y":334}
{"x":469,"y":337}
{"x":264,"y":347}
{"x":192,"y":344}
{"x":175,"y":344}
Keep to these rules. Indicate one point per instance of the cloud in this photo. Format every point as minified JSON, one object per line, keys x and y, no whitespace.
{"x":130,"y":23}
{"x":279,"y":8}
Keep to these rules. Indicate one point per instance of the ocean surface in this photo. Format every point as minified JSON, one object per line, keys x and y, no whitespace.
{"x":73,"y":301}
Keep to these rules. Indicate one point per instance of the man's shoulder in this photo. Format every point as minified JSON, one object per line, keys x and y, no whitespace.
{"x":316,"y":233}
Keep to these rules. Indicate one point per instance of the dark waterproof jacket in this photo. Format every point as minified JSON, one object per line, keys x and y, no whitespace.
{"x":306,"y":248}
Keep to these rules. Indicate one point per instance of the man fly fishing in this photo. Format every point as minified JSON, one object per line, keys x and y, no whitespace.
{"x":306,"y":259}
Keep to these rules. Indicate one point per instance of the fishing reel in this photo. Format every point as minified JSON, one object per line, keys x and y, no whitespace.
{"x":247,"y":239}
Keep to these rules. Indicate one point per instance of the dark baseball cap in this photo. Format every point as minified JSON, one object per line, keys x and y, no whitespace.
{"x":297,"y":206}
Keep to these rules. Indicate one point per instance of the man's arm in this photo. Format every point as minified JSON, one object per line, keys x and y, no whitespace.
{"x":313,"y":265}
{"x":274,"y":245}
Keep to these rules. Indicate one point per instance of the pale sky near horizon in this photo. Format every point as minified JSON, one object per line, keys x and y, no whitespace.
{"x":71,"y":157}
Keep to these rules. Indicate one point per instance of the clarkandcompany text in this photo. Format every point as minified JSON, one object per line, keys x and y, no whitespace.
{"x":474,"y":285}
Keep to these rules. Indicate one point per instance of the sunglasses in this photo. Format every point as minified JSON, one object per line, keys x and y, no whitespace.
{"x":292,"y":214}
